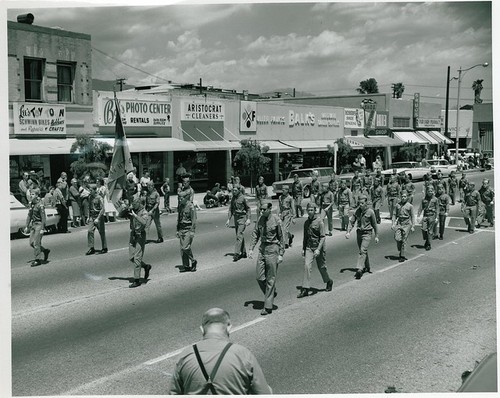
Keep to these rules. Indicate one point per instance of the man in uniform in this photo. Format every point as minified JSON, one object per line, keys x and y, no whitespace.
{"x":315,"y":187}
{"x":409,"y":187}
{"x":393,"y":190}
{"x":367,"y":180}
{"x":153,"y":209}
{"x":326,"y":205}
{"x":355,"y":179}
{"x":313,"y":247}
{"x":488,"y":197}
{"x":366,"y":222}
{"x":62,"y":209}
{"x":444,"y":208}
{"x":239,"y":372}
{"x":452,"y":186}
{"x":96,"y":220}
{"x":377,"y":195}
{"x":403,"y":222}
{"x":378,"y":176}
{"x":260,"y":191}
{"x":241,"y":211}
{"x":344,"y":203}
{"x":35,"y":223}
{"x":430,"y":208}
{"x":286,"y":209}
{"x":470,"y":206}
{"x":137,"y":243}
{"x":271,"y":250}
{"x":297,"y":195}
{"x":462,"y":186}
{"x":186,"y":227}
{"x":185,"y":188}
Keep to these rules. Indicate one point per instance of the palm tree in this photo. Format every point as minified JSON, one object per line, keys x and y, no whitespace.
{"x":477,"y":86}
{"x":398,"y":89}
{"x":368,"y":86}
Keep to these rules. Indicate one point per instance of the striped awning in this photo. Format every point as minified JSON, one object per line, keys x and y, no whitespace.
{"x":410,"y":136}
{"x":373,"y":141}
{"x":440,"y":137}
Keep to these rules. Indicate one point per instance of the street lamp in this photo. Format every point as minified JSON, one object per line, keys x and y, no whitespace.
{"x":484,"y":65}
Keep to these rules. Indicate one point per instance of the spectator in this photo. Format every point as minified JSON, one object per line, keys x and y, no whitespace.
{"x":74,"y":194}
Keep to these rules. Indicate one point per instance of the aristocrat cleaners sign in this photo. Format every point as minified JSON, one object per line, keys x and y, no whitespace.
{"x":31,"y":118}
{"x":202,"y":110}
{"x":135,"y":112}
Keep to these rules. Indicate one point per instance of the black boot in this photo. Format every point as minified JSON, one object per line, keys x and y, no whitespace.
{"x":135,"y":284}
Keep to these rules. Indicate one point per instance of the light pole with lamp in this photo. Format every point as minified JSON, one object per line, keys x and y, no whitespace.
{"x":484,"y":65}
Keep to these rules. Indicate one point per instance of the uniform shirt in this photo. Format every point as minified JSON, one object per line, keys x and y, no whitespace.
{"x":36,"y":212}
{"x":152,"y":199}
{"x":326,"y":198}
{"x":487,"y":195}
{"x":96,"y":207}
{"x":472,"y":198}
{"x":296,"y":189}
{"x":268,"y":230}
{"x":365,"y":220}
{"x":440,"y":182}
{"x":380,"y":179}
{"x":452,"y":182}
{"x":286,"y":204}
{"x":393,"y":190}
{"x":314,"y":234}
{"x":186,"y":217}
{"x":315,"y":187}
{"x":462,"y":183}
{"x":186,"y":191}
{"x":239,"y":372}
{"x":345,"y":197}
{"x":354,"y":180}
{"x":239,"y":207}
{"x":444,"y":203}
{"x":410,"y":188}
{"x":261,"y":191}
{"x":367,"y":181}
{"x":333,"y":185}
{"x":430,"y":206}
{"x":138,"y":224}
{"x":404,"y":214}
{"x":376,"y":194}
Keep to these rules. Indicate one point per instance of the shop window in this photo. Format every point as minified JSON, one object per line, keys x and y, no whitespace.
{"x":65,"y":79}
{"x":401,"y":122}
{"x":33,"y":77}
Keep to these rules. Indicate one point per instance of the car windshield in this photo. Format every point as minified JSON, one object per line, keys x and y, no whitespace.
{"x":402,"y":165}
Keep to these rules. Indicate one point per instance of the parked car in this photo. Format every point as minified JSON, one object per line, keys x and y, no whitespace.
{"x":417,"y":170}
{"x":440,"y":164}
{"x":305,"y":177}
{"x":483,"y":378}
{"x":19,"y":213}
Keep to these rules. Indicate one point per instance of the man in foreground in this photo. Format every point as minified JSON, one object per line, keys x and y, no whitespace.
{"x":233,"y":369}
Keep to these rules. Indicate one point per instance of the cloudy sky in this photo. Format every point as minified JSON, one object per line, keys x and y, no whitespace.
{"x":318,"y":48}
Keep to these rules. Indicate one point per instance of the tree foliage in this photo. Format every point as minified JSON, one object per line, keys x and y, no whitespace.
{"x":398,"y":90}
{"x":92,"y":157}
{"x":250,"y":159}
{"x":477,"y":86}
{"x":410,"y":151}
{"x":343,"y":153}
{"x":368,"y":86}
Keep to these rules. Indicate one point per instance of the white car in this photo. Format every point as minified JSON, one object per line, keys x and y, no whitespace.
{"x":417,"y":170}
{"x":441,"y":164}
{"x":19,"y":213}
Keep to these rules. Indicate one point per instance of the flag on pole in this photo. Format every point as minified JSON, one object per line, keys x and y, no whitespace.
{"x":121,"y":162}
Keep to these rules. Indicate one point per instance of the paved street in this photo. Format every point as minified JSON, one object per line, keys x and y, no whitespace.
{"x":78,"y":329}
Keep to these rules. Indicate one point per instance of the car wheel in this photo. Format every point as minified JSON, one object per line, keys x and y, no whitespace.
{"x":306,"y":191}
{"x":22,"y":233}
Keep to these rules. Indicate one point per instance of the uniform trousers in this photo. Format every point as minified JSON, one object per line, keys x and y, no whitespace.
{"x":62,"y":226}
{"x":156,"y":218}
{"x":320,"y":262}
{"x":364,"y":238}
{"x":470,"y":215}
{"x":392,"y":201}
{"x":36,"y":239}
{"x":490,"y":211}
{"x":84,"y":207}
{"x":442,"y":223}
{"x":239,"y":227}
{"x":376,"y":208}
{"x":266,"y":271}
{"x":344,"y":215}
{"x":428,"y":227}
{"x":286,"y":221}
{"x":329,"y":215}
{"x":136,"y":251}
{"x":451,"y":194}
{"x":91,"y":232}
{"x":299,"y":211}
{"x":186,"y":237}
{"x":404,"y":230}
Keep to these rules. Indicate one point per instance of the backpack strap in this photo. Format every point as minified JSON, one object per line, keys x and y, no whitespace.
{"x":214,"y":370}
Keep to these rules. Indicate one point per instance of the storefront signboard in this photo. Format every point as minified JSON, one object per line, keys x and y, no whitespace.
{"x":193,"y":110}
{"x":416,"y":105}
{"x":248,"y":112}
{"x":31,"y":118}
{"x":354,"y":118}
{"x":428,"y":122}
{"x":135,"y":112}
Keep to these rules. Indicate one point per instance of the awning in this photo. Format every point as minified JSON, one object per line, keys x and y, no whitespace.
{"x":440,"y":137}
{"x":311,"y":145}
{"x":45,"y":146}
{"x":215,"y":145}
{"x":373,"y":141}
{"x":278,"y":147}
{"x":410,"y":136}
{"x":425,"y":135}
{"x":154,"y":144}
{"x":354,"y":142}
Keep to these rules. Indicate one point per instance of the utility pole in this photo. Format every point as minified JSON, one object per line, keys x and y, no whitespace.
{"x":120,"y":82}
{"x":446,"y":133}
{"x":201,"y":88}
